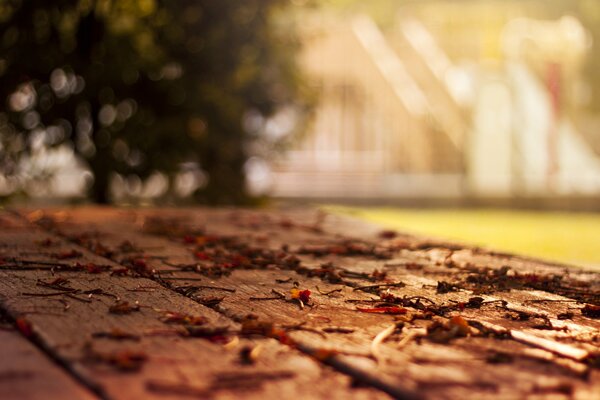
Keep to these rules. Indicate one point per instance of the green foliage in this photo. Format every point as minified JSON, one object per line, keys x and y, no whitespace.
{"x":139,"y":86}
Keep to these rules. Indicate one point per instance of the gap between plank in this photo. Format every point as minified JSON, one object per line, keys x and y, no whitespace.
{"x":54,"y":358}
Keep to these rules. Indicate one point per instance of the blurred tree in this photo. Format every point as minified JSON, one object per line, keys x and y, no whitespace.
{"x":139,"y":86}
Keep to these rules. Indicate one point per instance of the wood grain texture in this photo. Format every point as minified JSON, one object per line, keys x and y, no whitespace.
{"x":528,"y":335}
{"x":176,"y":366}
{"x":28,"y":374}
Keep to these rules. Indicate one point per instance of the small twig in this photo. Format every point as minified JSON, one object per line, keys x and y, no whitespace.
{"x":337,"y":329}
{"x":367,"y":287}
{"x":420,"y":298}
{"x":364,"y":301}
{"x":410,"y":336}
{"x":164,"y":271}
{"x":173,"y":278}
{"x":170,"y":264}
{"x":65,"y":304}
{"x":116,"y":334}
{"x":100,"y":292}
{"x":60,"y":289}
{"x":217,"y":288}
{"x":56,"y":286}
{"x":551,"y":301}
{"x":140,"y":288}
{"x":329,"y":292}
{"x":34,"y":262}
{"x":381,"y":336}
{"x":351,"y":274}
{"x":43,"y":294}
{"x":280,"y":296}
{"x":19,"y":267}
{"x":193,"y":288}
{"x":557,"y":348}
{"x":71,"y":295}
{"x":502,"y":303}
{"x":300,"y":327}
{"x":265,"y":298}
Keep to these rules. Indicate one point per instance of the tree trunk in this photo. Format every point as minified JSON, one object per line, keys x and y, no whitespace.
{"x":99,"y":192}
{"x":90,"y":34}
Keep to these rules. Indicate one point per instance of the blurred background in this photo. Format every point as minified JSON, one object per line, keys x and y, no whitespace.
{"x":442,"y":111}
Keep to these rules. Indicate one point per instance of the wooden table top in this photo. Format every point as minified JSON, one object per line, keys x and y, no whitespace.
{"x":245,"y":304}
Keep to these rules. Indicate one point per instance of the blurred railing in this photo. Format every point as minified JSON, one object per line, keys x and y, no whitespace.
{"x":390,"y":123}
{"x":373,"y":124}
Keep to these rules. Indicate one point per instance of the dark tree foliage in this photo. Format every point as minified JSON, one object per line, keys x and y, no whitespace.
{"x":143,"y":85}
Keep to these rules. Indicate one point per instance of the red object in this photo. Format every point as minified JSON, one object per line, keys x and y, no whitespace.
{"x":286,"y":223}
{"x":282,"y":336}
{"x":95,"y":269}
{"x":379,"y":275}
{"x":92,"y":268}
{"x":532,"y":278}
{"x":219,"y":339}
{"x":388,"y":234}
{"x":189,"y":239}
{"x":24,"y":327}
{"x":304,"y":295}
{"x":139,"y":263}
{"x":120,"y":272}
{"x":202,"y":255}
{"x":239,"y":260}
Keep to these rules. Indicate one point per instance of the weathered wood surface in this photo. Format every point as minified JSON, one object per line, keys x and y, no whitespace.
{"x":468,"y":323}
{"x":27,"y":373}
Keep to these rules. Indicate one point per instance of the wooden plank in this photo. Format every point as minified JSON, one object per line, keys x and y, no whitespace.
{"x":424,"y":366}
{"x":175,"y":366}
{"x":26,"y":373}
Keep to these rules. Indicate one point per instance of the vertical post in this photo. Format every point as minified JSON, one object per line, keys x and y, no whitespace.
{"x":553,"y":83}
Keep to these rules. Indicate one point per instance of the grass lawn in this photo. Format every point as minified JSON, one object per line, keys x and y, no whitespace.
{"x":569,"y":237}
